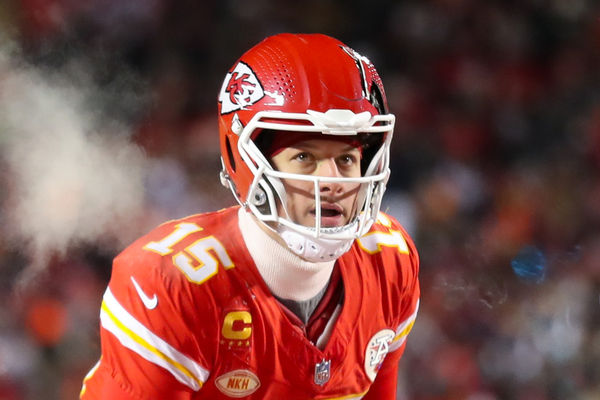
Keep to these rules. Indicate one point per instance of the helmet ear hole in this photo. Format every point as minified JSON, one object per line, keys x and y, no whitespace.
{"x":230,"y":157}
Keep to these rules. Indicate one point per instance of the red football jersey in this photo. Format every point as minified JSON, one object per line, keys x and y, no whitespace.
{"x":186,"y":315}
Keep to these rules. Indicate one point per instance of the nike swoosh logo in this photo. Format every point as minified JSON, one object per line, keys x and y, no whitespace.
{"x":149,"y":302}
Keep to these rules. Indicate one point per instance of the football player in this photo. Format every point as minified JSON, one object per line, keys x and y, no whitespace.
{"x":306,"y":290}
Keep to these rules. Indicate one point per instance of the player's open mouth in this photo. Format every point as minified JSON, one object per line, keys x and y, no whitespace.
{"x":331,"y":214}
{"x":329,"y":210}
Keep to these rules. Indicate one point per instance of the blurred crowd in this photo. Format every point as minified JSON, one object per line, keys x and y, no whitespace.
{"x":495,"y":173}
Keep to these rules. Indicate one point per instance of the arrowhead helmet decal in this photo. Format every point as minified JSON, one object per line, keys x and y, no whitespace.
{"x":241,"y":88}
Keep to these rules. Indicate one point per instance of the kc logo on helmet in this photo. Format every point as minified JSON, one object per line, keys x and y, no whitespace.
{"x":240,"y":89}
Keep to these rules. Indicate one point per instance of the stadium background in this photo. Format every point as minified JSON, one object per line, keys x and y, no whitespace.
{"x":495,"y":172}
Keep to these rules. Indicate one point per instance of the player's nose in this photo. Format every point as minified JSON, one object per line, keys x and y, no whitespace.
{"x":329,"y":168}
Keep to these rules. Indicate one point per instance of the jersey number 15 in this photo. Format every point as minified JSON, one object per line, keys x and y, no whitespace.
{"x":199,"y":261}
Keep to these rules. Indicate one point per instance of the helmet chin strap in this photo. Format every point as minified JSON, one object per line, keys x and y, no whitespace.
{"x":314,"y":249}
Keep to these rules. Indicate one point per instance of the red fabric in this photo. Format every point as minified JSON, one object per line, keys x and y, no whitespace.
{"x":109,"y":385}
{"x":215,"y":312}
{"x":384,"y":387}
{"x":322,"y":314}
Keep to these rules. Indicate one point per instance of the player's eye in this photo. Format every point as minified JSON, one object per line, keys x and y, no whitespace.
{"x":347,"y":159}
{"x":303,"y":156}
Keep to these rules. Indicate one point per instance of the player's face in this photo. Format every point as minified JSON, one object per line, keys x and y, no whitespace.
{"x":318,"y":157}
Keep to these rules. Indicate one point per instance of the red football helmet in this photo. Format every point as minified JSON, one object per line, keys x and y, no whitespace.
{"x":308,"y":83}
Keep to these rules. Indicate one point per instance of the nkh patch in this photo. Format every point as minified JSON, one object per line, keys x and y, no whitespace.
{"x":377,"y":349}
{"x":240,"y":89}
{"x":238,"y":383}
{"x":322,"y":372}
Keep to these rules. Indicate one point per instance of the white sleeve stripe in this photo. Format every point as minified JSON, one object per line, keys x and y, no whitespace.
{"x":404,"y":329}
{"x":132,"y":341}
{"x":136,"y":337}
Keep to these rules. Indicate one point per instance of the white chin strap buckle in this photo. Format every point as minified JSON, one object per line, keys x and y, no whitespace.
{"x":314,"y":249}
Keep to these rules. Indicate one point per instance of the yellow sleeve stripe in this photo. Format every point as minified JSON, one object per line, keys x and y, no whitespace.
{"x":88,"y":376}
{"x":349,"y":396}
{"x":136,"y":337}
{"x":404,"y":329}
{"x":147,"y":346}
{"x":404,"y":332}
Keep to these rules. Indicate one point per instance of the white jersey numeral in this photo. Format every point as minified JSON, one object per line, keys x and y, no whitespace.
{"x":164,"y":246}
{"x":200,"y":260}
{"x":373,"y":242}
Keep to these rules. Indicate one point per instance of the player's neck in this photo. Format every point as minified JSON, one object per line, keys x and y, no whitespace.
{"x":287,"y":275}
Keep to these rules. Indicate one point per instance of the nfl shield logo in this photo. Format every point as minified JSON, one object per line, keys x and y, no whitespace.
{"x":322,"y":372}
